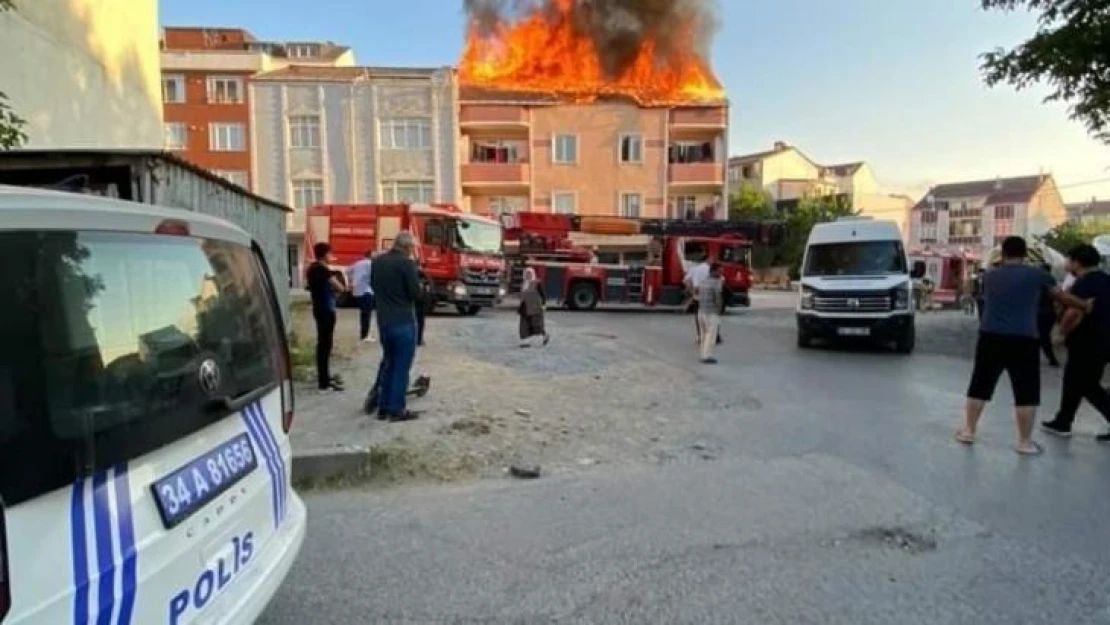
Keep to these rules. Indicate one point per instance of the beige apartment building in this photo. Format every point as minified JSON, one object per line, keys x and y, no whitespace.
{"x":529,"y":151}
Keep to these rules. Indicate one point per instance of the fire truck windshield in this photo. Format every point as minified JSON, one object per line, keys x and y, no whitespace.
{"x":736,"y":254}
{"x":477,"y":236}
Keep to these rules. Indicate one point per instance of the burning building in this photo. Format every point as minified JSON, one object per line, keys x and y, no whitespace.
{"x":594,"y":107}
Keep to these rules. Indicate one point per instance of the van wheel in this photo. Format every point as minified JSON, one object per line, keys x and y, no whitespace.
{"x":467,"y":310}
{"x":583,"y":296}
{"x":906,"y":342}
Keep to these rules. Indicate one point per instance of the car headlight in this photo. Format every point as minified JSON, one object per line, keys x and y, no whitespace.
{"x":807,"y":298}
{"x":502,"y":292}
{"x":459,"y":290}
{"x":901,"y":298}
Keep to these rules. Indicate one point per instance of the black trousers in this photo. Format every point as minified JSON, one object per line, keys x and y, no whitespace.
{"x":325,"y":338}
{"x":420,"y":312}
{"x":1044,"y":329}
{"x":1083,"y":380}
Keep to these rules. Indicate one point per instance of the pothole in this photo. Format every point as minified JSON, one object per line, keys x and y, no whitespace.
{"x":895,"y":537}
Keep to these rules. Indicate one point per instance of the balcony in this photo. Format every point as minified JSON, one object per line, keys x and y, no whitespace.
{"x":700,"y":117}
{"x":492,"y":117}
{"x":499,"y":175}
{"x":696,"y":174}
{"x":294,"y":222}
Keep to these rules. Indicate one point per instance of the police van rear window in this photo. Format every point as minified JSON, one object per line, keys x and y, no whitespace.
{"x":103,"y":336}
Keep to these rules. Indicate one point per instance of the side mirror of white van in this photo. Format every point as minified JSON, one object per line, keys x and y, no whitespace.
{"x":918,"y":270}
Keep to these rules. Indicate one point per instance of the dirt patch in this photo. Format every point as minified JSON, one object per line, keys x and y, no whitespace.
{"x":901,"y":538}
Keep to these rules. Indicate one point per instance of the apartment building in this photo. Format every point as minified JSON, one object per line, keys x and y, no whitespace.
{"x":83,"y":77}
{"x":973,"y":217}
{"x":344,"y":135}
{"x":205,"y":76}
{"x":535,"y":151}
{"x":1091,"y":212}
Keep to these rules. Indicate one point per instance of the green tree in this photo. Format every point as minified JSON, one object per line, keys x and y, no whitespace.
{"x":11,"y":125}
{"x":749,"y":202}
{"x":1067,"y":235}
{"x":1070,"y":53}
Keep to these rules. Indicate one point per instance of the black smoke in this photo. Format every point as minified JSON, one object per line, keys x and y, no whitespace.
{"x":618,"y":28}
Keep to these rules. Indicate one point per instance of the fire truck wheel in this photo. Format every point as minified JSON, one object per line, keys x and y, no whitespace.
{"x":467,"y":310}
{"x":583,"y":296}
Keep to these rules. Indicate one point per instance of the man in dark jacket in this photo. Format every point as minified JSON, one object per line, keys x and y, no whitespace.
{"x":396,"y":287}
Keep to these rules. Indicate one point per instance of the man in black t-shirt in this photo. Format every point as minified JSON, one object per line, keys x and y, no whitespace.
{"x":323,"y":286}
{"x":1088,"y":342}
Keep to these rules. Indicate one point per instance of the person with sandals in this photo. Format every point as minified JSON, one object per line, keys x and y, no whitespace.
{"x":1008,"y":342}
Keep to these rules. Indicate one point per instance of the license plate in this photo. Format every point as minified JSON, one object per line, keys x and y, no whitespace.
{"x":854,"y":331}
{"x":181,"y":493}
{"x":485,"y":290}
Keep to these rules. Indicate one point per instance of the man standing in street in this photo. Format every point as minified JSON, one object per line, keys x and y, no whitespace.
{"x":1087,"y":342}
{"x":364,"y":295}
{"x":709,"y":293}
{"x":323,"y":287}
{"x":396,"y":288}
{"x":694,"y":275}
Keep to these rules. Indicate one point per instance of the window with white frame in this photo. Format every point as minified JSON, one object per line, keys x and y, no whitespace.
{"x":303,"y":50}
{"x":631,"y":204}
{"x":564,"y":202}
{"x":238,"y":177}
{"x":173,"y":89}
{"x":308,"y":192}
{"x":1003,"y":222}
{"x":501,"y":205}
{"x":304,"y":131}
{"x":408,"y":191}
{"x":685,"y":206}
{"x":408,"y":133}
{"x":227,"y":137}
{"x":928,"y":227}
{"x":565,"y":149}
{"x":632,"y":149}
{"x":225,"y":90}
{"x":176,"y":135}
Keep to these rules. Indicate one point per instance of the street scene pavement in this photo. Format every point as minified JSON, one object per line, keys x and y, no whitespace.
{"x":780,"y":486}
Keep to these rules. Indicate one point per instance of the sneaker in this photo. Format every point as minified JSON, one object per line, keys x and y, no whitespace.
{"x":1055,"y":429}
{"x":1103,"y":438}
{"x":708,"y":361}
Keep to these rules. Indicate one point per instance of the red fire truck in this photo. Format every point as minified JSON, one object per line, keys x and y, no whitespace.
{"x":460,"y":254}
{"x":571,"y":275}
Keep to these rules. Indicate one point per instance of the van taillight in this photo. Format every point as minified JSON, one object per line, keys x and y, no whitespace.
{"x":285,"y":374}
{"x":5,"y":582}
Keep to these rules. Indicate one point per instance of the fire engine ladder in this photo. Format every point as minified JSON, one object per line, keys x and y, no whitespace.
{"x":700,"y":228}
{"x":636,"y":283}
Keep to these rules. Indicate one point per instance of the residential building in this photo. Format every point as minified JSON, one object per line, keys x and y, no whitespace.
{"x":787,"y":175}
{"x":536,"y":151}
{"x":345,"y":135}
{"x":973,"y":217}
{"x":205,"y":76}
{"x":1093,"y":211}
{"x":83,"y":74}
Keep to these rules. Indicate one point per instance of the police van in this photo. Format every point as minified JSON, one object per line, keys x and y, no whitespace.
{"x":145,"y":406}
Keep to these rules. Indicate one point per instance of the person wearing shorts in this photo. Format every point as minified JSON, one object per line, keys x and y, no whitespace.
{"x":1009,"y":342}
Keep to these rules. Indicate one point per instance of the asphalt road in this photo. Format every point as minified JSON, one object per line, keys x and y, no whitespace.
{"x":840,"y":499}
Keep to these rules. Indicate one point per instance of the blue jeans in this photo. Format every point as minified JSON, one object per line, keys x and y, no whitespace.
{"x":398,"y":351}
{"x":365,"y":313}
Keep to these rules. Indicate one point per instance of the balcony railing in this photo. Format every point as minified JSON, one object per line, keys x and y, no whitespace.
{"x":708,"y":117}
{"x":696,"y":173}
{"x":495,"y":174}
{"x":294,"y":222}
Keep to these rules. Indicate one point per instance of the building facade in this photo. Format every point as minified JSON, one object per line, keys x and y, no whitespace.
{"x":1092,"y":212}
{"x":205,"y":78}
{"x":346,"y":135}
{"x":83,"y":74}
{"x":973,"y":217}
{"x":523,"y":151}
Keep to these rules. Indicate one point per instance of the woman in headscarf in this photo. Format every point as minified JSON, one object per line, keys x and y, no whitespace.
{"x":532,"y":301}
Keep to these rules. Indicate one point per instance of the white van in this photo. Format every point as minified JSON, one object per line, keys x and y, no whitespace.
{"x":145,"y":405}
{"x":856,"y":283}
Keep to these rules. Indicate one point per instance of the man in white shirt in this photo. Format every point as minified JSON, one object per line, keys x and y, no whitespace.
{"x":363,"y":294}
{"x":693,"y":278}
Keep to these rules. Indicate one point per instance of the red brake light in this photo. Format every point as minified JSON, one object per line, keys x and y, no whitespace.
{"x":173,"y":227}
{"x":5,"y":583}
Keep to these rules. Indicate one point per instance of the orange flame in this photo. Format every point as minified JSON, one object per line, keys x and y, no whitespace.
{"x":544,"y":52}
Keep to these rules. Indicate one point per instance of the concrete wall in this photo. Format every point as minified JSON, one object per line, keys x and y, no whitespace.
{"x":1046,"y":210}
{"x":598,"y":178}
{"x":84,"y":73}
{"x":786,"y":164}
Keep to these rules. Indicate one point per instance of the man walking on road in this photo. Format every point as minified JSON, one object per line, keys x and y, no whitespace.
{"x":323,"y":287}
{"x":694,"y":275}
{"x":1088,"y":344}
{"x":1008,"y":342}
{"x":396,"y":287}
{"x":708,"y":294}
{"x":364,"y":295}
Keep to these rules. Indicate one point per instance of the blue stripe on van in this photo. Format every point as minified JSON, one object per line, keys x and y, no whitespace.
{"x":80,"y":555}
{"x":252,"y":429}
{"x":275,"y":451}
{"x":127,"y":545}
{"x":105,"y":557}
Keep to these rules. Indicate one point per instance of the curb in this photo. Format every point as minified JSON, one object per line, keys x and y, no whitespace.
{"x":322,"y":465}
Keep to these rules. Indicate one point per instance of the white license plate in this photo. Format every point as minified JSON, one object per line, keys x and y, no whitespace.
{"x":485,"y":290}
{"x":854,"y":331}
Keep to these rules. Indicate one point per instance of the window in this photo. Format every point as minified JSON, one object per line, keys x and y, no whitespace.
{"x":496,"y":152}
{"x":565,"y":149}
{"x":630,"y":205}
{"x":176,"y":135}
{"x":225,"y":90}
{"x":407,"y":133}
{"x":632,"y":149}
{"x":1005,"y":211}
{"x":928,"y":226}
{"x":308,"y":193}
{"x":858,"y":258}
{"x":501,"y":205}
{"x":564,"y":202}
{"x":234,"y":177}
{"x":304,"y":131}
{"x":303,"y":50}
{"x":173,"y":89}
{"x":1003,"y":222}
{"x":408,"y":192}
{"x":103,"y":336}
{"x":685,"y":207}
{"x":691,"y":152}
{"x":226,"y":138}
{"x":695,"y":251}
